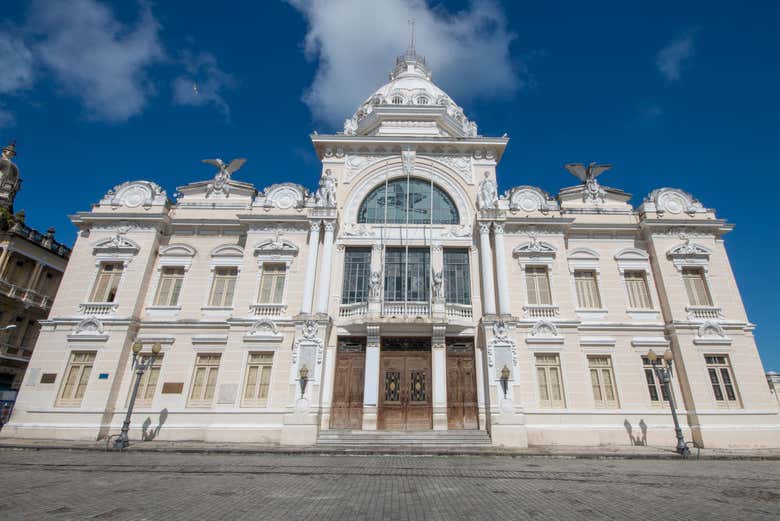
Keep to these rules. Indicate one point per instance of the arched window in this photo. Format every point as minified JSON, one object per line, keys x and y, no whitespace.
{"x":398,"y":100}
{"x":414,"y":199}
{"x":422,"y":100}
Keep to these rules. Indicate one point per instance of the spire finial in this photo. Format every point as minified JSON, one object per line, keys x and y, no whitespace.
{"x":9,"y":151}
{"x":411,"y":41}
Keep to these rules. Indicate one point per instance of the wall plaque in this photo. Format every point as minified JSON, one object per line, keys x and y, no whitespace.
{"x":48,"y":378}
{"x":173,"y":387}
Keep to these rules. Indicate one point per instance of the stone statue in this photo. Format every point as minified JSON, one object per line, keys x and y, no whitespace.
{"x":588,"y":174}
{"x":487,"y":198}
{"x":325,"y":197}
{"x":219,"y":184}
{"x":438,"y":285}
{"x":375,"y":285}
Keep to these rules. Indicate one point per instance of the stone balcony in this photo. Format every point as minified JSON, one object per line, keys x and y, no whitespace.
{"x":545,"y":311}
{"x":405,"y":310}
{"x":267,"y":310}
{"x":98,"y":308}
{"x":17,"y":353}
{"x":704,"y":313}
{"x":27,"y":296}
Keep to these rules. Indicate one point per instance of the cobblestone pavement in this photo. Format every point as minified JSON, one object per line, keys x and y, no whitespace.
{"x":64,"y":485}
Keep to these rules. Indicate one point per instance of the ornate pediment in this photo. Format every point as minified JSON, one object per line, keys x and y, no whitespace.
{"x":263,"y":331}
{"x":118,"y":244}
{"x":177,"y":250}
{"x":134,"y":194}
{"x":276,"y":246}
{"x":283,"y":196}
{"x":672,"y":201}
{"x":228,"y":250}
{"x":534,"y":248}
{"x":530,"y":199}
{"x":689,"y":249}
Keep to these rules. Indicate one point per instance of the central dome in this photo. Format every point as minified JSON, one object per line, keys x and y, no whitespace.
{"x":410,"y":104}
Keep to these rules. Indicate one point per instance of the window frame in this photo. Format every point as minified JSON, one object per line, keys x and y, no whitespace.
{"x":101,"y":264}
{"x":719,"y":367}
{"x":645,"y":286}
{"x":661,"y":397}
{"x":210,"y":367}
{"x":533,"y":267}
{"x":464,"y":299}
{"x":141,"y":400}
{"x":603,"y":403}
{"x":444,"y":209}
{"x":351,"y":296}
{"x":702,"y":276}
{"x":248,"y":364}
{"x":407,"y":276}
{"x":285,"y":272}
{"x":73,"y":401}
{"x":596,"y":290}
{"x":549,"y":403}
{"x":160,"y":281}
{"x":213,"y":286}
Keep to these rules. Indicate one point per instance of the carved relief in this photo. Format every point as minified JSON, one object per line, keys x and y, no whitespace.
{"x":530,"y":199}
{"x":285,"y":196}
{"x":133,"y":194}
{"x":673,"y":201}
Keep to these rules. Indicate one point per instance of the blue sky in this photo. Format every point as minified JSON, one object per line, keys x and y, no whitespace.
{"x":679,"y":94}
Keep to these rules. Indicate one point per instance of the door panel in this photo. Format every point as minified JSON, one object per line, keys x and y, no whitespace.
{"x":461,"y":392}
{"x":347,"y":408}
{"x":406,"y":391}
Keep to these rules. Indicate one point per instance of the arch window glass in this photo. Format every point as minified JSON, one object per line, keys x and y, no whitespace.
{"x":408,"y":200}
{"x":398,"y":100}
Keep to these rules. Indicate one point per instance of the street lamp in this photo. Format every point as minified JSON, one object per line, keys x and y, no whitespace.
{"x":303,"y":379}
{"x":504,"y":380}
{"x":141,"y":366}
{"x":664,"y":376}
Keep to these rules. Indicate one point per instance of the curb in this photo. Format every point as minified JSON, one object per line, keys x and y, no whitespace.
{"x":401,"y":451}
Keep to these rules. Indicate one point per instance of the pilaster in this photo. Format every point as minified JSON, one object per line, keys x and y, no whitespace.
{"x":371,"y":379}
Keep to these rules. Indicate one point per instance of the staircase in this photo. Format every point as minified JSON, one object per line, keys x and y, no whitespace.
{"x":405,"y":440}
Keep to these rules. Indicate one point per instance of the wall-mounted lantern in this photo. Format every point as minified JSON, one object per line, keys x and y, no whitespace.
{"x":505,"y":372}
{"x":303,"y":379}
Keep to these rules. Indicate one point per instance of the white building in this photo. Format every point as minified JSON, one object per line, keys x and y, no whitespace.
{"x":404,"y":288}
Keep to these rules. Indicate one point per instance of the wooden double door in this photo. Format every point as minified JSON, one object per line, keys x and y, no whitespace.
{"x":405,"y":391}
{"x":347,"y":407}
{"x":461,"y":391}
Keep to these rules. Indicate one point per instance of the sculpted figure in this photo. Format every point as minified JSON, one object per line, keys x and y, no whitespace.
{"x":375,"y":285}
{"x":438,"y":285}
{"x":219,"y":184}
{"x":487,"y":198}
{"x":326,"y":193}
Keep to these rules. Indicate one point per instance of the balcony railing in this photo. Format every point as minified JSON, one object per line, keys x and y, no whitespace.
{"x":27,"y":296}
{"x":357,"y":309}
{"x":459,"y":311}
{"x":15,"y":352}
{"x":98,"y":308}
{"x":541,"y":311}
{"x":704,"y":313}
{"x":268,"y":310}
{"x":406,"y":309}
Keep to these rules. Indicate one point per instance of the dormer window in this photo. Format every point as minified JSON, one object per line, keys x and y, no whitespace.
{"x":422,"y":100}
{"x":397,"y":100}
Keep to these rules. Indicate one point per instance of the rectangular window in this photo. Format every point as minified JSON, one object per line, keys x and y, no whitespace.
{"x":696,"y":287}
{"x":407,"y":274}
{"x":548,"y":372}
{"x":204,"y":379}
{"x":76,"y":378}
{"x":638,"y":290}
{"x":223,"y":287}
{"x":654,"y":386}
{"x":602,"y":380}
{"x":357,"y":275}
{"x":272,"y":283}
{"x":537,"y":285}
{"x":107,"y":282}
{"x":722,"y":380}
{"x":457,"y":282}
{"x":148,"y":385}
{"x":587,"y":289}
{"x":258,"y":378}
{"x":171,"y":279}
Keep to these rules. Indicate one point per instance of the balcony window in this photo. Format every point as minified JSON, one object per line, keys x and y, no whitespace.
{"x":357,"y":272}
{"x":537,"y":285}
{"x":107,"y":282}
{"x":457,"y":282}
{"x":408,"y":200}
{"x":696,"y":287}
{"x":407,"y":274}
{"x":272,"y":283}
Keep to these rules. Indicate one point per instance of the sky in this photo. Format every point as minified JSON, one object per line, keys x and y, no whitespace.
{"x":680,"y":94}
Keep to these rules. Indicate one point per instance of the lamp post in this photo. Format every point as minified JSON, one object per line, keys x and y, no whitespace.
{"x":141,"y":366}
{"x":664,"y":376}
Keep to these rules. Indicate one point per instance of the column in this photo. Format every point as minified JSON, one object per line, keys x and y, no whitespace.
{"x":325,"y":268}
{"x":501,"y":278}
{"x":371,"y":380}
{"x":488,"y":291}
{"x":439,"y":379}
{"x":4,"y":256}
{"x":310,"y":268}
{"x":32,"y":282}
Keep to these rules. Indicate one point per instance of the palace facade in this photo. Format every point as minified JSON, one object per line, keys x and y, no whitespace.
{"x":405,"y":294}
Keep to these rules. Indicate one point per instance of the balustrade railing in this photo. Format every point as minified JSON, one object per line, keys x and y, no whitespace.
{"x":25,"y":295}
{"x":357,"y":309}
{"x":15,"y":352}
{"x":704,"y":313}
{"x":459,"y":310}
{"x":268,"y":310}
{"x":541,"y":311}
{"x":406,"y":309}
{"x":98,"y":308}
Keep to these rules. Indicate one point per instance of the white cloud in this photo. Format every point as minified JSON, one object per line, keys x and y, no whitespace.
{"x":203,"y":82}
{"x":671,"y":58}
{"x":16,"y":64}
{"x":96,"y":58}
{"x":356,"y":42}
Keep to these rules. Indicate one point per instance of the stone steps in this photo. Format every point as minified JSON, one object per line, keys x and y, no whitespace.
{"x":454,"y":439}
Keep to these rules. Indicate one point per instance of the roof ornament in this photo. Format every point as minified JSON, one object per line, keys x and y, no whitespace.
{"x":587,"y":174}
{"x":9,"y":151}
{"x":411,"y":41}
{"x":219,"y":184}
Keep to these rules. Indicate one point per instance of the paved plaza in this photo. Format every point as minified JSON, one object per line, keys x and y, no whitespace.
{"x":64,"y":485}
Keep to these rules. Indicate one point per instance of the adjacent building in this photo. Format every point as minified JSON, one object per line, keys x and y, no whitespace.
{"x":404,"y":294}
{"x":31,"y":267}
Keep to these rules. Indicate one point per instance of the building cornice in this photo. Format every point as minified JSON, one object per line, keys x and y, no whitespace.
{"x":393,"y":144}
